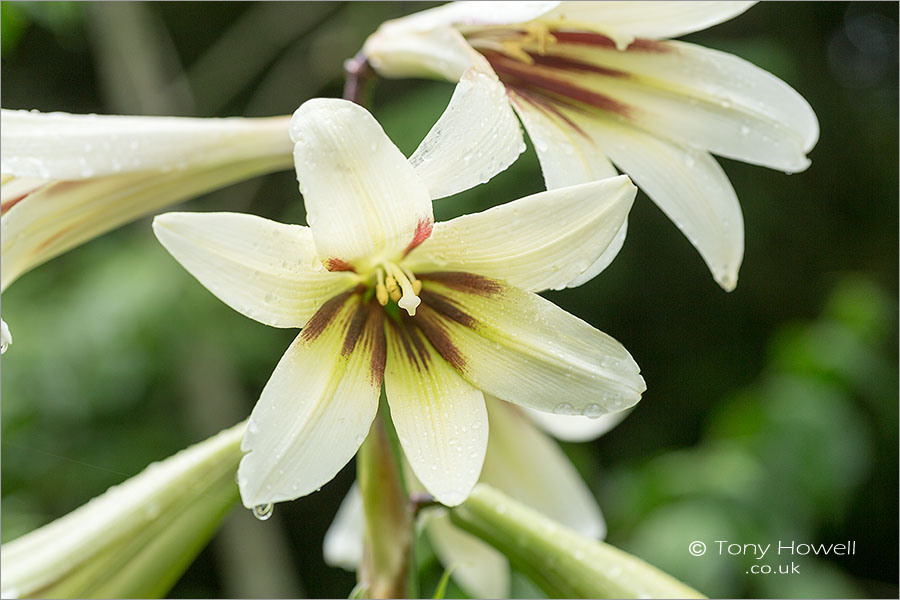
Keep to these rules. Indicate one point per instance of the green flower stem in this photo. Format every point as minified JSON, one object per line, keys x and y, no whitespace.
{"x":563,"y":563}
{"x":384,"y":572}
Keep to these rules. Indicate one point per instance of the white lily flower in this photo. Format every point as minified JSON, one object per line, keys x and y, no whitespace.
{"x":520,"y":461}
{"x":439,"y":312}
{"x":69,"y":178}
{"x":598,"y":84}
{"x":136,"y":539}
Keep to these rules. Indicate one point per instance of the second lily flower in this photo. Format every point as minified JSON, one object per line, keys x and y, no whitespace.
{"x":439,"y":313}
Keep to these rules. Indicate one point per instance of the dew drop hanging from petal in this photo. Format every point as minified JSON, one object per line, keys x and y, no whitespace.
{"x":263,"y":511}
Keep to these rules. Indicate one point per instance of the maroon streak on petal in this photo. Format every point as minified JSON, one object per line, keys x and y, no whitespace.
{"x":354,"y":329}
{"x":430,"y":323}
{"x":325,"y":315}
{"x":423,"y":232}
{"x":465,"y":282}
{"x":413,"y":346}
{"x":444,"y":306}
{"x":586,"y":38}
{"x":374,"y":335}
{"x":13,"y":201}
{"x":570,"y":64}
{"x":336,"y":264}
{"x":547,"y":106}
{"x":528,"y":76}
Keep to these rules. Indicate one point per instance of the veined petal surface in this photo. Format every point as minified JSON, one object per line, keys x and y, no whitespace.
{"x":317,"y":407}
{"x":61,"y":215}
{"x":526,"y":464}
{"x":624,"y":21}
{"x":476,"y":137}
{"x":702,"y":97}
{"x":524,"y":349}
{"x":688,"y":185}
{"x":364,"y":201}
{"x":542,"y":241}
{"x":400,"y":50}
{"x":440,"y":418}
{"x":265,"y":270}
{"x":64,"y":146}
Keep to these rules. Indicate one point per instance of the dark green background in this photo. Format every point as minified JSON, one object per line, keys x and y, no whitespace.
{"x":771,"y":412}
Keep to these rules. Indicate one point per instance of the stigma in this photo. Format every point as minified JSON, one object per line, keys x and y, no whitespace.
{"x":393,"y":282}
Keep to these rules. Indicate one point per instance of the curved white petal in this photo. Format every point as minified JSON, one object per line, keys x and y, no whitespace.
{"x":479,"y":569}
{"x":265,"y":270}
{"x":317,"y":407}
{"x":701,"y":97}
{"x":522,"y":348}
{"x":476,"y":137}
{"x":363,"y":199}
{"x":575,"y":428}
{"x":343,"y":544}
{"x":398,"y":50}
{"x":543,"y":241}
{"x":688,"y":185}
{"x":567,"y":156}
{"x":440,"y":419}
{"x":625,"y":21}
{"x":527,"y":465}
{"x":61,"y":215}
{"x":64,"y":146}
{"x":612,"y":250}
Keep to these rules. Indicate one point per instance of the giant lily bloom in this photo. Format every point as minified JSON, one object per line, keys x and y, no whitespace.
{"x":520,"y":461}
{"x":598,"y":84}
{"x":69,"y":178}
{"x":440,"y":313}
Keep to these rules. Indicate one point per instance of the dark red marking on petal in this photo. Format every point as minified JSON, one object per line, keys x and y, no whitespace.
{"x":336,"y":264}
{"x":423,"y":232}
{"x":430,"y":323}
{"x":544,"y":104}
{"x":413,"y":346}
{"x":12,"y":202}
{"x":354,"y":329}
{"x":465,"y":282}
{"x":374,"y":335}
{"x":446,"y":307}
{"x":521,"y":75}
{"x":569,"y":64}
{"x":586,"y":38}
{"x":325,"y":315}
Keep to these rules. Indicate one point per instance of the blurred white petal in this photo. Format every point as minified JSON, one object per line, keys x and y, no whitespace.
{"x":575,"y":428}
{"x":343,"y":544}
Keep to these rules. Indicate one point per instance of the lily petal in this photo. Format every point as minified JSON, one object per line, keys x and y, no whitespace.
{"x":476,"y":137}
{"x":64,"y":146}
{"x":343,"y":543}
{"x":575,"y":428}
{"x":477,"y":567}
{"x":625,"y":21}
{"x":61,"y":215}
{"x":566,"y":157}
{"x":515,"y":242}
{"x":688,"y":185}
{"x":402,"y":49}
{"x":526,"y":464}
{"x":440,"y":418}
{"x":708,"y":99}
{"x":364,"y":201}
{"x":317,"y":407}
{"x":524,"y":349}
{"x":265,"y":270}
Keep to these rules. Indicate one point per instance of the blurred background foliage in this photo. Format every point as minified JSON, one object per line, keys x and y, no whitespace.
{"x":771,"y":412}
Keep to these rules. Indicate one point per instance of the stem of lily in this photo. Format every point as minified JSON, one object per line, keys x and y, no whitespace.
{"x":388,"y":535}
{"x":358,"y":80}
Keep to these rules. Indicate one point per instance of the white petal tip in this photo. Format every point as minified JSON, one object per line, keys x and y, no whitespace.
{"x":5,"y":337}
{"x":727,"y":281}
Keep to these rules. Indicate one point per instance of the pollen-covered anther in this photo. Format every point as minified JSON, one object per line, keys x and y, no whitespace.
{"x":381,"y":292}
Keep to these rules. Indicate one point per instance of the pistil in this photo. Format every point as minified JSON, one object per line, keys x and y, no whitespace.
{"x":398,"y":284}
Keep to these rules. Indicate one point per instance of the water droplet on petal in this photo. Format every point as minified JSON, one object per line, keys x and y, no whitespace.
{"x":263,"y":511}
{"x":564,"y":408}
{"x":593,"y":411}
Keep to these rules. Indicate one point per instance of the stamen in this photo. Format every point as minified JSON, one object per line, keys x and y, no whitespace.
{"x":381,"y":292}
{"x":392,"y":288}
{"x":410,"y":300}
